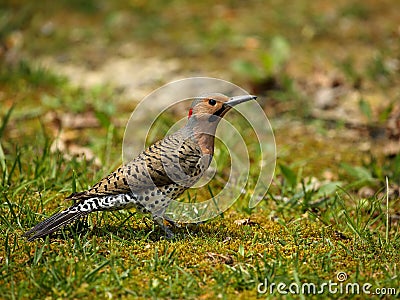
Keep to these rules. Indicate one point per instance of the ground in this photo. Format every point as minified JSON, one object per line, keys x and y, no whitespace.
{"x":327,"y":76}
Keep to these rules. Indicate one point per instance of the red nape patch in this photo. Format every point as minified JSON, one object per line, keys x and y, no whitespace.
{"x":190,"y":113}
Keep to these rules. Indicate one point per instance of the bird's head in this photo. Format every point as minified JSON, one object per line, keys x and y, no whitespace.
{"x":205,"y":114}
{"x":212,"y":107}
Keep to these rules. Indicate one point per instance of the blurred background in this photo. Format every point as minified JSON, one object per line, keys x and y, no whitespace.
{"x":326,"y":73}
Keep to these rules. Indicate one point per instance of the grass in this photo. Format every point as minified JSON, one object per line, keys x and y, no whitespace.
{"x":329,"y":208}
{"x":294,"y":236}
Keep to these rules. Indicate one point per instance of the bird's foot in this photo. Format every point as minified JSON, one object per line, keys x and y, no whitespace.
{"x":172,"y":223}
{"x":161,"y":221}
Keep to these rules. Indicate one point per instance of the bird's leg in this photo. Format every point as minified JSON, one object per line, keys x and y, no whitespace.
{"x":173,"y":223}
{"x":160,"y":221}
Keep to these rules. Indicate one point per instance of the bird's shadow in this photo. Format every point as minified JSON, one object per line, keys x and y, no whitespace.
{"x":81,"y":229}
{"x":151,"y":232}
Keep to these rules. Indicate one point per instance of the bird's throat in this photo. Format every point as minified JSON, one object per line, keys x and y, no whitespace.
{"x":206,"y":142}
{"x":202,"y":132}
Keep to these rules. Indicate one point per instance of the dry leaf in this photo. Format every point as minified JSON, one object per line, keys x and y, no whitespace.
{"x":65,"y":138}
{"x":215,"y":257}
{"x":70,"y":150}
{"x":242,"y":222}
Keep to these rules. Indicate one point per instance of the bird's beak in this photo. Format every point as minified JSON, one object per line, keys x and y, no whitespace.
{"x":229,"y":104}
{"x":239,"y":99}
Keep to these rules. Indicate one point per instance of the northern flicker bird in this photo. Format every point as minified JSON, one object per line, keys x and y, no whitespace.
{"x":157,"y":175}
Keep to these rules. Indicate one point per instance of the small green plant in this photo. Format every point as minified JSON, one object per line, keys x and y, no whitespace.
{"x":270,"y":62}
{"x":24,"y":74}
{"x":378,"y":69}
{"x":365,"y":108}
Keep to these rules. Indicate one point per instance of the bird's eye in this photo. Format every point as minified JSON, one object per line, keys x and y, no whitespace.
{"x":212,"y":102}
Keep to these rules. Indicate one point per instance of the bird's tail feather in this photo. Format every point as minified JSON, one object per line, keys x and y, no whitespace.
{"x":80,"y":209}
{"x":55,"y":222}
